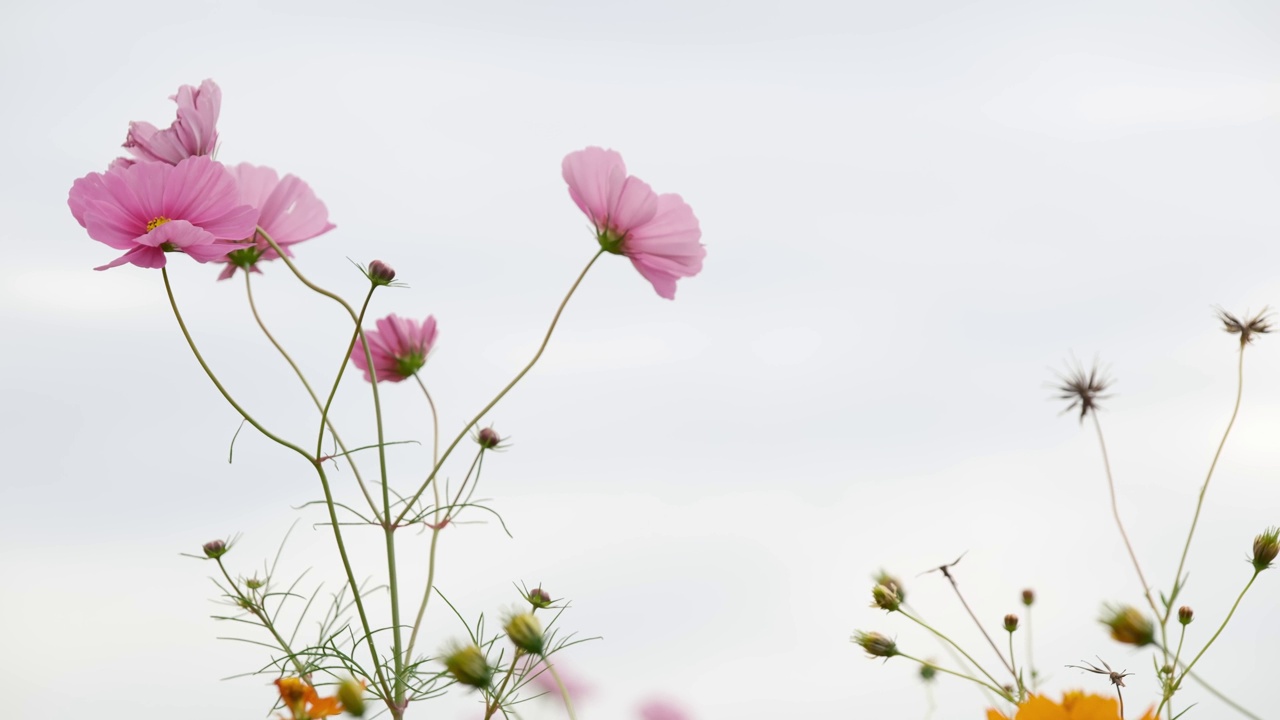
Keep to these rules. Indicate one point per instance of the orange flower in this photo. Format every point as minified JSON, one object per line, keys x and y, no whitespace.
{"x":303,"y":702}
{"x":1074,"y":706}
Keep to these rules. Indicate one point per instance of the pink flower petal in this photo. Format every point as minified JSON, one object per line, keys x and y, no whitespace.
{"x":594,"y":175}
{"x":142,"y":256}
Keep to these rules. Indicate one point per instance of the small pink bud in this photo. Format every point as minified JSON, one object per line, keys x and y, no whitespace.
{"x":1010,"y":622}
{"x":215,"y":549}
{"x":1028,"y":597}
{"x":381,"y":273}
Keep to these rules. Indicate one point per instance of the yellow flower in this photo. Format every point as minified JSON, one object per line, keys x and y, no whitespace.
{"x":1074,"y":706}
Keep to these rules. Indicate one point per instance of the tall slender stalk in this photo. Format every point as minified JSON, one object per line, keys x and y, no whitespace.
{"x":355,"y":469}
{"x":1235,"y":411}
{"x":502,"y":393}
{"x":324,"y":483}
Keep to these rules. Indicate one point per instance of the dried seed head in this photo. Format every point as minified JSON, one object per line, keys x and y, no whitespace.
{"x":889,"y":581}
{"x":1265,"y":548}
{"x":1083,"y":389}
{"x":875,"y":644}
{"x":885,"y":597}
{"x":1010,"y":622}
{"x":1128,"y":625}
{"x":1259,"y":324}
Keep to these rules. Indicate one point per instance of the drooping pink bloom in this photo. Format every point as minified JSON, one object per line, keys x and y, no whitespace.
{"x":152,"y":208}
{"x":658,"y":232}
{"x":399,"y":348}
{"x":195,"y":131}
{"x":662,"y":710}
{"x":288,"y":211}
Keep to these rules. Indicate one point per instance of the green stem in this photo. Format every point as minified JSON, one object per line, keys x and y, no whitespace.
{"x":997,"y":690}
{"x":995,"y":684}
{"x":1115,"y":513}
{"x":1178,"y":683}
{"x":315,"y":462}
{"x":252,"y":607}
{"x":491,"y":708}
{"x":959,"y":660}
{"x":253,"y":306}
{"x":437,"y":527}
{"x":503,"y":392}
{"x":1030,"y":664}
{"x":564,"y":691}
{"x":1218,"y":694}
{"x":1022,"y":689}
{"x":1235,"y":410}
{"x":974,"y":617}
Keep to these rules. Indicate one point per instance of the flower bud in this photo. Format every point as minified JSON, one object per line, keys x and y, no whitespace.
{"x":380,"y":273}
{"x":1185,"y":614}
{"x":254,"y":583}
{"x":1010,"y":622}
{"x":540,"y":599}
{"x":1166,"y":670}
{"x":215,"y":549}
{"x":525,"y":632}
{"x":351,"y":695}
{"x":885,"y":597}
{"x":928,"y":671}
{"x":875,"y":644}
{"x":1028,"y":597}
{"x":1128,"y":625}
{"x":468,"y":665}
{"x":488,"y":439}
{"x":1265,"y":548}
{"x":889,"y":581}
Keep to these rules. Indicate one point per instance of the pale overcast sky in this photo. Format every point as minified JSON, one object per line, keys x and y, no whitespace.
{"x":913,"y":212}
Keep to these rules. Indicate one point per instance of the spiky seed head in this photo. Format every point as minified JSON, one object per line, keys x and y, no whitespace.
{"x":1083,"y":388}
{"x":1245,"y":326}
{"x":875,"y":644}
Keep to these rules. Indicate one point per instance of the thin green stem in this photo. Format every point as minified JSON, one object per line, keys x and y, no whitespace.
{"x":546,"y":339}
{"x":959,"y":660}
{"x":252,"y":606}
{"x":436,"y":528}
{"x":1022,"y":689}
{"x":315,"y":462}
{"x":1178,"y":683}
{"x":998,"y":690}
{"x":995,"y":684}
{"x":1177,"y":657}
{"x":1218,"y":694}
{"x":564,"y":691}
{"x":491,"y":708}
{"x":1186,"y":548}
{"x":983,"y":629}
{"x":1030,"y":664}
{"x":253,"y":306}
{"x":1115,"y":513}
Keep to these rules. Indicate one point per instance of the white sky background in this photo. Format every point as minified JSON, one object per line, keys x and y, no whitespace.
{"x":911,"y":215}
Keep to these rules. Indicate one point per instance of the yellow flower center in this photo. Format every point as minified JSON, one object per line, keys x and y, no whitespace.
{"x":156,"y":222}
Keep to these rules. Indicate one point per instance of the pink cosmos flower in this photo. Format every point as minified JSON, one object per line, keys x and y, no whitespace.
{"x":399,"y":348}
{"x":288,"y":211}
{"x":658,"y":232}
{"x":193,"y":133}
{"x":152,"y":208}
{"x":660,"y":710}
